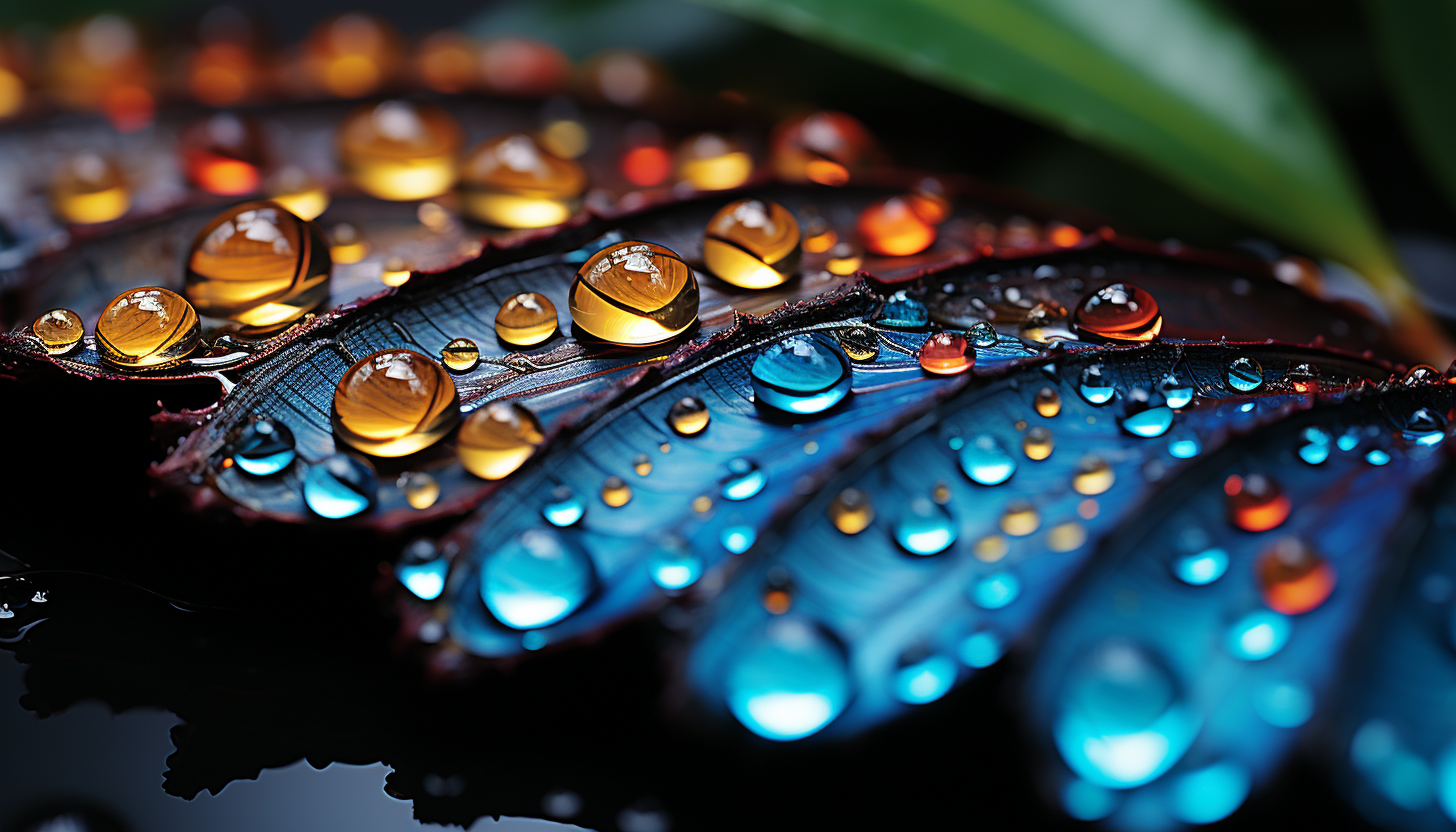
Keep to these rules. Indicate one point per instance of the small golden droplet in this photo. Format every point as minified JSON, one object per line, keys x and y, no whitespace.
{"x":1020,"y":519}
{"x":498,"y":438}
{"x":396,"y":272}
{"x":259,"y":265}
{"x":844,"y":259}
{"x":713,"y":162}
{"x":345,"y":246}
{"x":642,"y":465}
{"x":89,"y":189}
{"x":824,"y":147}
{"x":147,"y":328}
{"x":634,"y":294}
{"x":851,"y":511}
{"x":688,"y":416}
{"x":664,"y":447}
{"x":59,"y":331}
{"x":991,"y":548}
{"x":394,"y":402}
{"x":811,"y":448}
{"x":1087,"y":509}
{"x":1020,"y":424}
{"x":460,"y":355}
{"x":615,"y":492}
{"x":1037,"y":444}
{"x":295,"y":190}
{"x":777,"y":601}
{"x":526,"y":319}
{"x":941,"y":493}
{"x":420,"y":489}
{"x":1048,"y":402}
{"x":565,"y":138}
{"x":702,"y":504}
{"x":513,"y":181}
{"x":1066,"y":536}
{"x":400,"y":150}
{"x":1094,"y":476}
{"x":752,"y":244}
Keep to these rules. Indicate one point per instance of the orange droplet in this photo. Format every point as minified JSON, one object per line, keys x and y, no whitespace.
{"x":946,"y":354}
{"x":647,"y":165}
{"x":1255,"y":503}
{"x":891,"y":227}
{"x":129,"y":107}
{"x":517,"y":66}
{"x":824,"y":147}
{"x":1065,"y":236}
{"x":1293,"y":578}
{"x":1120,"y":312}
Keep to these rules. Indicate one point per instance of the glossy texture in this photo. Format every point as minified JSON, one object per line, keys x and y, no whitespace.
{"x":461,"y":355}
{"x":1119,"y":312}
{"x":294,"y":189}
{"x":338,"y":487}
{"x":400,"y":150}
{"x":986,"y":462}
{"x":497,"y":439}
{"x":265,"y":447}
{"x":802,"y":374}
{"x":59,"y":331}
{"x":513,"y":182}
{"x":851,"y":511}
{"x":688,"y":416}
{"x":89,"y":189}
{"x":1245,"y":375}
{"x":394,"y":402}
{"x":259,"y":265}
{"x":526,"y":319}
{"x":946,"y":354}
{"x":893,"y":228}
{"x":634,"y":294}
{"x":752,"y":244}
{"x":147,"y":329}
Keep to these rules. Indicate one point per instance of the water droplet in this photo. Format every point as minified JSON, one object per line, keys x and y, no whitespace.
{"x":1245,"y":374}
{"x":1093,"y":476}
{"x":994,"y":591}
{"x":1314,"y":445}
{"x":461,"y":355}
{"x":526,"y":319}
{"x":1120,"y":312}
{"x":922,"y":678}
{"x":982,"y":648}
{"x":845,"y":258}
{"x":89,"y":189}
{"x":674,"y":566}
{"x":1096,"y":386}
{"x":801,"y":374}
{"x":1175,"y":391}
{"x":1020,"y":518}
{"x":1048,"y":402}
{"x":259,"y":265}
{"x":147,"y":329}
{"x":264,"y":447}
{"x":393,"y":403}
{"x":1285,"y":704}
{"x":400,"y":150}
{"x":1037,"y":443}
{"x":744,"y":480}
{"x":1144,"y":416}
{"x":688,"y":416}
{"x":986,"y":462}
{"x":924,"y":528}
{"x":1202,"y":567}
{"x":497,"y":439}
{"x":634,"y":294}
{"x":615,"y":492}
{"x":982,"y":334}
{"x":778,"y":591}
{"x":851,"y":511}
{"x":339,"y":486}
{"x":1425,"y":427}
{"x":513,"y":181}
{"x":1256,"y":503}
{"x":752,"y":244}
{"x":788,"y":682}
{"x":1184,"y":445}
{"x":1209,"y":794}
{"x":1348,"y":441}
{"x":1293,"y":578}
{"x":642,"y":464}
{"x":892,"y":227}
{"x":1065,"y":537}
{"x":420,"y":489}
{"x":563,"y":507}
{"x":860,"y":343}
{"x":1258,"y":635}
{"x":1303,"y":378}
{"x":59,"y":331}
{"x":946,"y":354}
{"x":422,"y":570}
{"x":1421,"y":374}
{"x":536,"y":579}
{"x":904,"y":312}
{"x":1377,"y":457}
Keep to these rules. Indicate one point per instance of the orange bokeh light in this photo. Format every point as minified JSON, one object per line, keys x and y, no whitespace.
{"x":892,"y":227}
{"x":647,"y":165}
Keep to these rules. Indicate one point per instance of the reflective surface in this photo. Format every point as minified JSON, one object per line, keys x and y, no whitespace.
{"x":259,"y":265}
{"x":393,"y":403}
{"x":634,"y":294}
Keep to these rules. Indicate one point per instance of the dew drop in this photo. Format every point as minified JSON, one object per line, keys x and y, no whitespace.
{"x":461,"y":355}
{"x":1096,"y":386}
{"x":563,"y":507}
{"x":688,"y":416}
{"x":497,"y":439}
{"x":788,"y":682}
{"x":339,"y":486}
{"x":1094,"y":476}
{"x":422,"y":570}
{"x":536,"y":579}
{"x":924,"y":528}
{"x":1377,"y":457}
{"x":946,"y":354}
{"x":744,"y":480}
{"x":1175,"y":391}
{"x":526,"y":319}
{"x":1048,"y":402}
{"x":986,"y":462}
{"x":1303,"y":378}
{"x":982,"y":648}
{"x":1258,"y":635}
{"x":393,"y":403}
{"x":1256,"y":503}
{"x":1202,"y":567}
{"x":1314,"y":445}
{"x":983,"y":335}
{"x":851,"y":511}
{"x":1293,"y":578}
{"x":738,"y":538}
{"x":420,"y":489}
{"x":615,"y":492}
{"x":1425,"y":427}
{"x":904,"y":312}
{"x":59,"y":331}
{"x":922,"y":678}
{"x":802,"y":374}
{"x":1020,"y":519}
{"x":1184,"y":445}
{"x":642,"y":464}
{"x":1245,"y":374}
{"x":264,"y":447}
{"x":674,"y":566}
{"x":1120,"y":312}
{"x":994,"y":591}
{"x":1037,"y":443}
{"x":1421,"y":374}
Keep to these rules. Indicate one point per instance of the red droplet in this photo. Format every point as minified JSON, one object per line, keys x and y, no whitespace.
{"x":1255,"y":503}
{"x":647,"y":165}
{"x":892,"y":227}
{"x":946,"y":354}
{"x":1293,"y":578}
{"x":1120,"y":312}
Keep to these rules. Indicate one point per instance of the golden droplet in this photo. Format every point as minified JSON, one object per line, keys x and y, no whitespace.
{"x":844,"y":259}
{"x":642,"y":465}
{"x":433,"y":216}
{"x":1048,"y":402}
{"x":514,"y":182}
{"x":565,"y":138}
{"x":446,"y":62}
{"x":634,"y":294}
{"x":664,"y":447}
{"x":526,"y":319}
{"x":1066,"y":536}
{"x":688,"y":416}
{"x":1094,"y":476}
{"x":752,"y":244}
{"x":59,"y":331}
{"x":396,"y":272}
{"x":345,"y":246}
{"x":991,"y":548}
{"x":89,"y":189}
{"x":818,"y":236}
{"x":1037,"y":444}
{"x":420,"y":489}
{"x":615,"y":492}
{"x":300,"y":193}
{"x":497,"y":439}
{"x":223,"y":153}
{"x":460,"y":355}
{"x":892,"y":227}
{"x":259,"y":265}
{"x":851,"y":511}
{"x":352,"y":55}
{"x":400,"y":150}
{"x":147,"y":329}
{"x":393,"y":403}
{"x":824,"y":147}
{"x":1020,"y":519}
{"x":711,"y":162}
{"x":702,"y":504}
{"x":777,"y":601}
{"x":941,"y":493}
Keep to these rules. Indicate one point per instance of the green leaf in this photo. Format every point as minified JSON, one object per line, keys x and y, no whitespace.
{"x":1415,"y":39}
{"x":1173,"y":84}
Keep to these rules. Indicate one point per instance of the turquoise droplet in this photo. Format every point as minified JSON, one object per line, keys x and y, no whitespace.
{"x":995,"y":591}
{"x":904,"y":312}
{"x":924,"y":528}
{"x":563,"y":508}
{"x":744,"y":480}
{"x":924,"y":679}
{"x":1258,"y":635}
{"x":339,"y":486}
{"x":1200,"y":568}
{"x":1096,"y":386}
{"x":789,"y":682}
{"x":986,"y":462}
{"x":1245,"y":374}
{"x":536,"y":579}
{"x":802,"y":374}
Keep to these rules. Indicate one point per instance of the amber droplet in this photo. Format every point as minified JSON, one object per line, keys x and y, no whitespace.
{"x":394,"y":402}
{"x":352,"y":55}
{"x":400,"y":150}
{"x":688,"y":416}
{"x":634,"y":294}
{"x":642,"y":464}
{"x":1037,"y":444}
{"x":1062,"y":235}
{"x":59,"y":331}
{"x":224,"y":154}
{"x":702,"y":504}
{"x":844,"y":259}
{"x":147,"y":328}
{"x":1048,"y":402}
{"x":258,"y":264}
{"x":513,"y":182}
{"x":1020,"y":519}
{"x":301,"y":194}
{"x":1255,"y":503}
{"x":461,"y":355}
{"x":88,"y":189}
{"x":101,"y":65}
{"x":947,"y":354}
{"x":1293,"y":578}
{"x":851,"y":511}
{"x":860,"y":343}
{"x":526,"y":319}
{"x":615,"y":492}
{"x":990,"y":548}
{"x":824,"y":147}
{"x":711,"y":162}
{"x":1120,"y":312}
{"x":818,"y":236}
{"x":497,"y":439}
{"x":1093,"y":476}
{"x":1065,"y":537}
{"x":777,"y":600}
{"x":345,"y":246}
{"x":395,"y":272}
{"x":752,"y":244}
{"x":1301,"y":273}
{"x":891,"y":227}
{"x":420,"y":489}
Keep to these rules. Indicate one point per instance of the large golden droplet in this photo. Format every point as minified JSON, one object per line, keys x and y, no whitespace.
{"x":616,"y":492}
{"x":400,"y":150}
{"x":526,"y":319}
{"x":1094,"y":476}
{"x":394,"y":402}
{"x":634,"y":294}
{"x":259,"y":265}
{"x":147,"y":328}
{"x":89,"y":188}
{"x":498,"y":438}
{"x":752,"y":244}
{"x":59,"y":331}
{"x":514,"y":182}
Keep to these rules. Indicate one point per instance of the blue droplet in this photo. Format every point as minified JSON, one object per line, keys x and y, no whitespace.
{"x":1424,"y":427}
{"x":982,"y":648}
{"x":1246,"y":407}
{"x":924,"y":528}
{"x":533,"y":639}
{"x":738,"y":539}
{"x":1285,"y":704}
{"x":339,"y":486}
{"x":264,"y":447}
{"x":1177,"y":392}
{"x":536,"y":579}
{"x":674,"y":566}
{"x":802,"y":374}
{"x":924,"y":680}
{"x":1149,"y":423}
{"x":1373,"y":744}
{"x":1085,"y":801}
{"x":744,"y":480}
{"x":1348,"y":440}
{"x":788,"y":683}
{"x":425,"y":579}
{"x":986,"y":462}
{"x":564,"y":507}
{"x":1377,"y":457}
{"x":1184,"y":445}
{"x":995,"y":591}
{"x":1258,"y":635}
{"x":956,"y":443}
{"x":1201,"y":568}
{"x":1314,"y":446}
{"x":1096,"y":386}
{"x":904,"y":312}
{"x":1210,"y":794}
{"x":983,"y":335}
{"x":1245,"y":375}
{"x":1406,"y":780}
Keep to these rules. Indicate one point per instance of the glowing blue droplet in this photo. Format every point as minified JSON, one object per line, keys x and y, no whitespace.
{"x":1314,"y":445}
{"x":1246,"y":407}
{"x":1406,"y":780}
{"x":996,"y":590}
{"x":1096,"y":386}
{"x":802,"y":374}
{"x":264,"y":447}
{"x":1424,"y":427}
{"x":1373,"y":744}
{"x":956,"y":443}
{"x":1258,"y":635}
{"x":1377,"y":457}
{"x":1245,"y":375}
{"x":738,"y":539}
{"x":788,"y":683}
{"x":675,"y":567}
{"x":744,"y":480}
{"x":536,"y":579}
{"x":1210,"y":794}
{"x":1184,"y":446}
{"x":1176,"y":392}
{"x":924,"y":528}
{"x":981,"y":649}
{"x":339,"y":486}
{"x":564,"y":508}
{"x":1085,"y":801}
{"x":426,"y":580}
{"x":533,"y":639}
{"x":1285,"y":704}
{"x":926,"y":680}
{"x":986,"y":462}
{"x":1201,"y":567}
{"x":904,"y":312}
{"x":1347,"y":441}
{"x":1149,"y":423}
